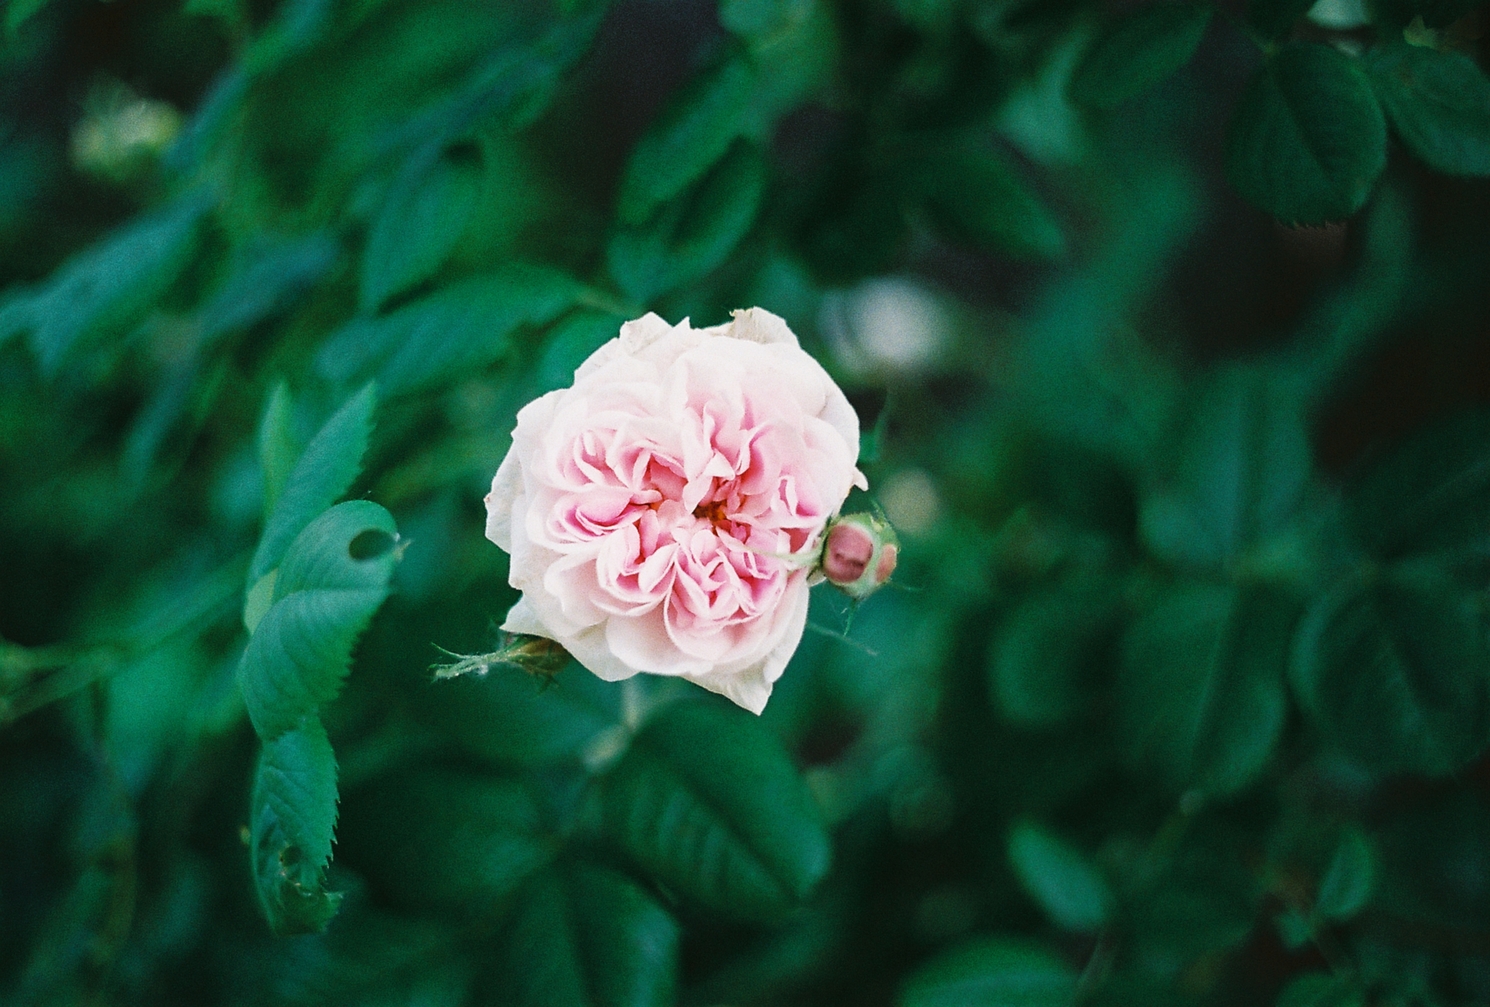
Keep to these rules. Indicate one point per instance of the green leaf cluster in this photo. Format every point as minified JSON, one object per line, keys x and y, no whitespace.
{"x":1164,"y":323}
{"x":319,"y":574}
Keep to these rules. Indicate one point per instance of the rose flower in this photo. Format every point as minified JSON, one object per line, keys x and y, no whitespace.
{"x":665,"y":511}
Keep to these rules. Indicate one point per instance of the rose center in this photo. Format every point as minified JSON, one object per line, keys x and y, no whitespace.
{"x":711,"y":512}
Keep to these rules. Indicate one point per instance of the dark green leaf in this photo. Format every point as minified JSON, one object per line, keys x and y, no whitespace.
{"x":1139,"y":51}
{"x":277,"y":447}
{"x":442,"y":838}
{"x":687,"y":140}
{"x":1396,"y":671}
{"x":1431,"y":491}
{"x":693,"y":235}
{"x":108,"y":288}
{"x":708,"y":802}
{"x":1295,"y":929}
{"x":294,"y":811}
{"x":1321,"y":989}
{"x":374,"y":958}
{"x":1307,"y":140}
{"x":324,"y":472}
{"x":570,"y":344}
{"x":267,"y":278}
{"x":1137,"y":988}
{"x":586,"y":936}
{"x":1060,"y":878}
{"x":298,"y":25}
{"x":422,"y":218}
{"x":333,"y":578}
{"x":1395,"y":15}
{"x":799,"y":54}
{"x":507,"y":715}
{"x":1200,"y":689}
{"x":459,"y":329}
{"x":1439,"y":103}
{"x":18,"y":12}
{"x":977,"y":195}
{"x":1347,"y":883}
{"x":1239,"y":470}
{"x":1205,"y":900}
{"x":758,"y":18}
{"x":1273,"y":19}
{"x":1045,"y":658}
{"x":992,"y":972}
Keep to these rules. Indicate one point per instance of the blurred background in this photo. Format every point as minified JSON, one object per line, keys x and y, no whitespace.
{"x":1168,"y":325}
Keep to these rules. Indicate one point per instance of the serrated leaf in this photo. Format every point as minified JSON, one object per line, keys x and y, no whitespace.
{"x":1396,"y":671}
{"x":992,"y":972}
{"x":708,"y":802}
{"x":443,"y":838}
{"x":1348,"y":881}
{"x":587,"y":936}
{"x":1307,"y":139}
{"x":1240,"y":467}
{"x":333,"y":578}
{"x":452,"y":332}
{"x":693,"y":235}
{"x":1044,"y":660}
{"x":1439,"y":103}
{"x":507,"y":715}
{"x":1200,"y":686}
{"x":1060,"y":878}
{"x":293,"y":814}
{"x":689,"y":138}
{"x":422,"y":218}
{"x":1321,"y":989}
{"x":323,"y":473}
{"x":277,"y":448}
{"x":977,"y":195}
{"x":1430,"y":492}
{"x":109,"y":287}
{"x":1140,"y":50}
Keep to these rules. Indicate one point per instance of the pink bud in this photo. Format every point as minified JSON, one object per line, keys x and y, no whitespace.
{"x":848,"y":552}
{"x":859,"y":554}
{"x":885,"y":566}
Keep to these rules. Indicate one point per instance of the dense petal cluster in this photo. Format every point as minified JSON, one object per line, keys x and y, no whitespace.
{"x":663,"y":512}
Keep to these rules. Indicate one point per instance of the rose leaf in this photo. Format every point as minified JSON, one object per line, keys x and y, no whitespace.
{"x":992,"y":972}
{"x":293,"y":813}
{"x":334,"y":577}
{"x":1200,"y":685}
{"x":590,"y":937}
{"x":325,"y":470}
{"x":708,"y":802}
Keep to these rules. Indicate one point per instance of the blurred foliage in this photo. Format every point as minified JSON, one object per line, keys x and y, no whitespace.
{"x":1182,"y":695}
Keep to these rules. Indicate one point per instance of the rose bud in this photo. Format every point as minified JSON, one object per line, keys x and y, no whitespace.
{"x":859,"y":554}
{"x":538,"y":656}
{"x":666,"y":511}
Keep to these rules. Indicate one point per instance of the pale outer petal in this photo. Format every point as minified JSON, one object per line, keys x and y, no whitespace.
{"x":505,"y":486}
{"x":556,"y":601}
{"x":750,"y":687}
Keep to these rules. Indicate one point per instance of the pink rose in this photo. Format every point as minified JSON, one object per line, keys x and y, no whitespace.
{"x":664,"y":511}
